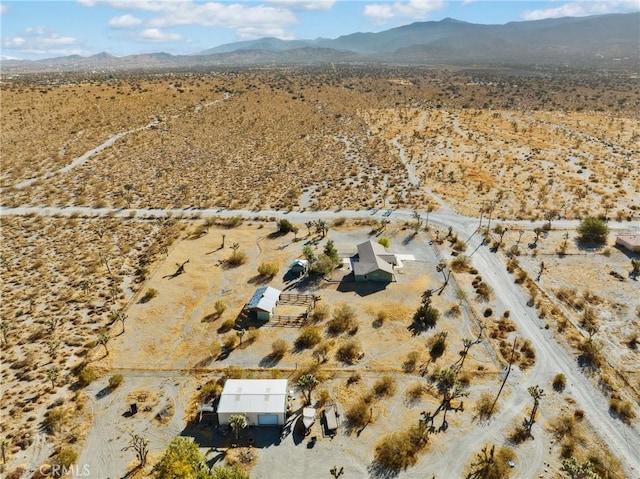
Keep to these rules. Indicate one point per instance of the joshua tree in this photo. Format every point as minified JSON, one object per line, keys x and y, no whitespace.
{"x":536,"y":393}
{"x":240,"y":334}
{"x":52,"y":375}
{"x":309,"y":224}
{"x":430,"y":208}
{"x":238,"y":422}
{"x":442,"y":268}
{"x":417,"y":224}
{"x":116,"y":315}
{"x":307,"y":383}
{"x":5,"y":326}
{"x":4,"y":445}
{"x":139,"y":445}
{"x":103,"y":340}
{"x":335,"y":472}
{"x":235,"y":247}
{"x":52,"y":324}
{"x":461,"y":295}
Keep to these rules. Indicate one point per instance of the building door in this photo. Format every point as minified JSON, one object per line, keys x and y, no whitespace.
{"x":267,"y":419}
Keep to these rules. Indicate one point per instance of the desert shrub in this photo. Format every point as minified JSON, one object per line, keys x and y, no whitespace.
{"x":415,"y":391}
{"x":115,"y":381}
{"x":492,"y":463}
{"x":487,"y":312}
{"x":323,"y":397}
{"x":384,"y":242}
{"x":359,"y":414}
{"x":343,"y":319}
{"x":210,"y":391}
{"x":340,"y":221}
{"x":559,"y":382}
{"x":231,"y":471}
{"x":284,"y":226}
{"x":237,"y":258}
{"x":590,"y":354}
{"x":624,"y":409}
{"x":354,"y":379}
{"x":438,"y":345}
{"x":268,"y":269}
{"x":149,"y":294}
{"x":227,"y":326}
{"x":483,"y":291}
{"x":349,"y":351}
{"x":528,"y":352}
{"x":252,"y":336}
{"x":219,"y":307}
{"x":459,"y":245}
{"x":320,"y":313}
{"x":215,"y":348}
{"x":308,"y":338}
{"x":410,"y":364}
{"x":86,"y":376}
{"x":593,"y":230}
{"x":485,"y":404}
{"x":279,"y":348}
{"x":66,"y":458}
{"x":426,"y":316}
{"x":229,"y":342}
{"x":519,"y":434}
{"x":460,"y":263}
{"x":564,"y":425}
{"x":385,"y":386}
{"x":230,"y":222}
{"x":399,"y":450}
{"x":54,"y":419}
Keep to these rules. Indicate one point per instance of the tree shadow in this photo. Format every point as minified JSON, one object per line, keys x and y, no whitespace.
{"x":259,"y":279}
{"x":270,"y":360}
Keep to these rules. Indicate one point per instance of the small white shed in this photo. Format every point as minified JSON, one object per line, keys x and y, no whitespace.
{"x":263,"y":302}
{"x":262,"y":401}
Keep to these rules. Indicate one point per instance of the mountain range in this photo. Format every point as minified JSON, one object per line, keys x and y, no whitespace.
{"x":604,"y":41}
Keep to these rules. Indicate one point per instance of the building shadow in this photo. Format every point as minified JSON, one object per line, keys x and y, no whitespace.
{"x":348,"y":284}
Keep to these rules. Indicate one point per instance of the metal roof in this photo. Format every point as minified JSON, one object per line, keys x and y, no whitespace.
{"x":370,"y":260}
{"x":253,"y":396}
{"x":264,"y":299}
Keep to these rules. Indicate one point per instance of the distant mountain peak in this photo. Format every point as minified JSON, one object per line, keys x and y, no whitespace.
{"x":452,"y":20}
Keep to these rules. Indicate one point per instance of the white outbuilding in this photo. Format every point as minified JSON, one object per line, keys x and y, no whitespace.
{"x":262,"y":401}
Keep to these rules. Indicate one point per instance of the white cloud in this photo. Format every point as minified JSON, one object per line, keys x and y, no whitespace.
{"x":157,"y":35}
{"x":4,"y":9}
{"x":414,"y":9}
{"x":581,"y":8}
{"x":41,"y":41}
{"x":304,"y":4}
{"x":248,"y":21}
{"x":125,"y":21}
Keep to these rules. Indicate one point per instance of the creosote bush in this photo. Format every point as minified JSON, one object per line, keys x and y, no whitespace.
{"x":385,"y":386}
{"x":279,"y":348}
{"x":359,"y":414}
{"x":237,"y":258}
{"x":349,"y":351}
{"x":559,"y":382}
{"x":268,"y":269}
{"x":343,"y":319}
{"x":308,"y":338}
{"x":115,"y":381}
{"x":400,"y":450}
{"x":86,"y":376}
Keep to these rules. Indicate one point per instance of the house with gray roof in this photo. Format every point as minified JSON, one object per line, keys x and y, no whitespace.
{"x":374,"y":263}
{"x":263,"y":302}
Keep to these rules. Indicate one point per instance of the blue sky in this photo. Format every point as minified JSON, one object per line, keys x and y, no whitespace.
{"x":44,"y":29}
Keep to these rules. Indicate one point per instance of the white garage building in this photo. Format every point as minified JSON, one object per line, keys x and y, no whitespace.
{"x":262,"y":401}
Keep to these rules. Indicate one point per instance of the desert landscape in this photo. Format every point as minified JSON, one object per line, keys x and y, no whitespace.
{"x":141,"y":211}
